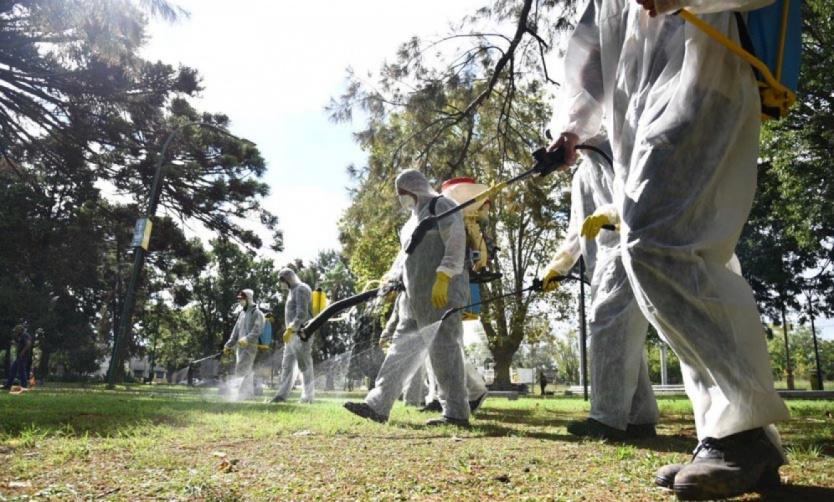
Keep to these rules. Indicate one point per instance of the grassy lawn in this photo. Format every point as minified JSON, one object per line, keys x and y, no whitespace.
{"x":173,"y":443}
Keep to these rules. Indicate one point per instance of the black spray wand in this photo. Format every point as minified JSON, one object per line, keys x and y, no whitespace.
{"x":536,"y":285}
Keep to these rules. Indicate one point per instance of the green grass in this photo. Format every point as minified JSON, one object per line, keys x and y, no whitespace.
{"x":171,"y":443}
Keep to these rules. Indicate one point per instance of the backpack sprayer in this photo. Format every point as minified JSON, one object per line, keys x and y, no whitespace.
{"x":546,"y":163}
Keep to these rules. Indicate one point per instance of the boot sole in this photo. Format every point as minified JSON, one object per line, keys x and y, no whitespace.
{"x":664,"y":482}
{"x":769,"y":479}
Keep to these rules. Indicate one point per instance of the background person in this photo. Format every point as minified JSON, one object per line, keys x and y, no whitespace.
{"x":623,"y":405}
{"x":18,"y":370}
{"x":298,"y":354}
{"x":245,"y":336}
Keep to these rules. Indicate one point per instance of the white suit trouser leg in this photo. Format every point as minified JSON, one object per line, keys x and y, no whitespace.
{"x":434,"y":391}
{"x":683,"y":209}
{"x":475,"y":384}
{"x":447,"y":362}
{"x":406,"y":355}
{"x":244,"y":359}
{"x":621,"y":390}
{"x":298,"y":355}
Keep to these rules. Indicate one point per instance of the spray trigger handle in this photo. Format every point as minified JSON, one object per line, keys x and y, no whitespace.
{"x":537,"y":285}
{"x":547,"y":162}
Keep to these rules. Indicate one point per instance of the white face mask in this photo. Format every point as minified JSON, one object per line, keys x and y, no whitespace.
{"x":407,"y":201}
{"x":242,"y":303}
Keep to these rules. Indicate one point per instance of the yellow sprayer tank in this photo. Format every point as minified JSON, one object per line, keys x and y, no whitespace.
{"x":461,"y":190}
{"x":319,"y":301}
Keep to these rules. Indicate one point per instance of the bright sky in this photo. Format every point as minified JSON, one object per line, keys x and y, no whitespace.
{"x":272,"y":66}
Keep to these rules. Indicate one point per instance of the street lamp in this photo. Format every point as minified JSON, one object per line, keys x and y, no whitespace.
{"x":141,"y":238}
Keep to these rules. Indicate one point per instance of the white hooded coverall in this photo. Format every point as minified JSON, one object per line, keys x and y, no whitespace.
{"x":298,"y":354}
{"x":621,"y":391}
{"x":249,"y":325}
{"x":442,"y":249}
{"x":683,"y":117}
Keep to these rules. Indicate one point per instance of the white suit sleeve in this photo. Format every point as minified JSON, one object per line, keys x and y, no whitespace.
{"x":579,"y":102}
{"x":568,"y":253}
{"x":303,"y":302}
{"x":395,"y":273}
{"x":453,"y":235}
{"x":254,"y":334}
{"x":708,"y":6}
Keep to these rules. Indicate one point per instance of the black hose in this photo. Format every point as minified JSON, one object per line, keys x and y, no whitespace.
{"x":310,"y":327}
{"x":599,"y":151}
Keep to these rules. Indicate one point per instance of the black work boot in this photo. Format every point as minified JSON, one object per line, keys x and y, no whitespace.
{"x":665,"y":476}
{"x":365,"y":411}
{"x":475,"y":404}
{"x":640,"y":431}
{"x":595,"y":429}
{"x":444,"y":420}
{"x":434,"y":407}
{"x":729,"y":466}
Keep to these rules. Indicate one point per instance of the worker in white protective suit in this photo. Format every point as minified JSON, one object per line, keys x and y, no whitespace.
{"x":244,"y":337}
{"x":298,"y":354}
{"x":435,"y":280}
{"x":683,"y":117}
{"x":623,"y":405}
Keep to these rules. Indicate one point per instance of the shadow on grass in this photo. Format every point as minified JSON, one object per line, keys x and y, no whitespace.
{"x":660,"y":444}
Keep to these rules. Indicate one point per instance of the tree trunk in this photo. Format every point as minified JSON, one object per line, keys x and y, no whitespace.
{"x":503,"y":361}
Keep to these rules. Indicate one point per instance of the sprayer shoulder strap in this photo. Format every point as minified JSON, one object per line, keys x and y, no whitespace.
{"x":433,"y":205}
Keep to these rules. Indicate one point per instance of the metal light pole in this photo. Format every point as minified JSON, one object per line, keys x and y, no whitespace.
{"x":583,"y":333}
{"x":141,"y":238}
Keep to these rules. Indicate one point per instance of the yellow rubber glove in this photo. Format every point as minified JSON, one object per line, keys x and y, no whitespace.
{"x":242,"y":342}
{"x":550,"y":281}
{"x":287,"y":334}
{"x":439,"y":292}
{"x":593,"y":224}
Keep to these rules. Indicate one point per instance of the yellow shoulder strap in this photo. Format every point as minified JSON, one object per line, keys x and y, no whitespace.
{"x":777,"y":96}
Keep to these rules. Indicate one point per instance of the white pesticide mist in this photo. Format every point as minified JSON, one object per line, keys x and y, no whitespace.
{"x":407,"y":354}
